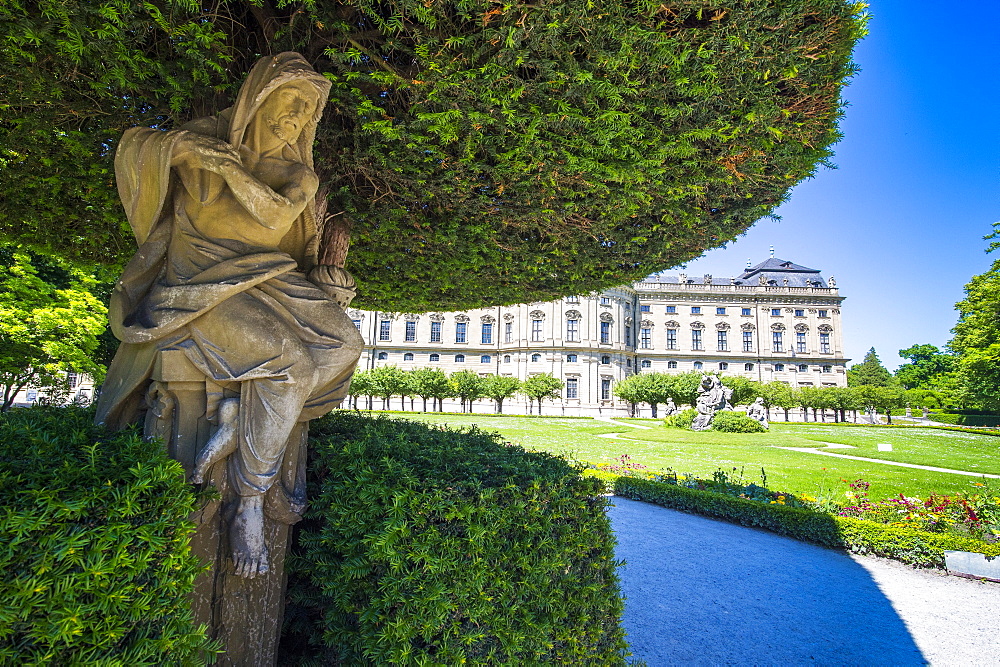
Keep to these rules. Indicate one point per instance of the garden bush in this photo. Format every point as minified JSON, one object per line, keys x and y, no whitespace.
{"x":424,"y":545}
{"x":902,"y":543}
{"x":736,"y":422}
{"x":966,"y":420}
{"x":682,"y":419}
{"x":95,"y":556}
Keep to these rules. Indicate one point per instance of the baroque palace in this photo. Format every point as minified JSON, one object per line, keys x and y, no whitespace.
{"x":777,"y":321}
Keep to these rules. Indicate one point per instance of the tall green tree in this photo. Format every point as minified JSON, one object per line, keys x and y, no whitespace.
{"x":386,"y":382}
{"x":927,"y":367}
{"x":361,"y":385}
{"x":778,"y":395}
{"x":50,"y":321}
{"x":475,"y":152}
{"x":539,"y":387}
{"x":869,"y":372}
{"x":500,"y":388}
{"x":467,"y":386}
{"x":428,"y":383}
{"x":745,"y":390}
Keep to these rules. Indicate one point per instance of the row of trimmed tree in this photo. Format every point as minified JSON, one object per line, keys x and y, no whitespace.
{"x":655,"y":389}
{"x":434,"y":385}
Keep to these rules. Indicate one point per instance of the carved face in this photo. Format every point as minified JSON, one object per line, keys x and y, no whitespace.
{"x":287,"y":110}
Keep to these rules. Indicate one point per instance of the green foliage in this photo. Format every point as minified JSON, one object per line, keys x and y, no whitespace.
{"x":927,"y":368}
{"x":905,"y":544}
{"x":428,"y":383}
{"x":541,"y":386}
{"x":467,"y":386}
{"x":728,"y":421}
{"x":745,"y":390}
{"x":386,"y":382}
{"x":870,"y":372}
{"x":977,"y":337}
{"x":50,"y":321}
{"x":499,"y":388}
{"x":682,"y":419}
{"x":93,"y":545}
{"x":486,"y":153}
{"x":424,"y":545}
{"x":879,"y":399}
{"x":967,"y":420}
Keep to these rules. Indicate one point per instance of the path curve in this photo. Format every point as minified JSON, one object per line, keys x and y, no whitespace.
{"x":813,"y":450}
{"x":706,"y":592}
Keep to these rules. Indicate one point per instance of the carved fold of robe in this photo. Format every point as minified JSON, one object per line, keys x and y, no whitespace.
{"x":241,"y":311}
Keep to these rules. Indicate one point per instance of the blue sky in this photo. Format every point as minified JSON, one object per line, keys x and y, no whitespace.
{"x":900,"y":222}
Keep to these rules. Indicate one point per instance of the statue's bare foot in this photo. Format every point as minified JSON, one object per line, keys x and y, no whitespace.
{"x":246,"y":536}
{"x":222,"y":444}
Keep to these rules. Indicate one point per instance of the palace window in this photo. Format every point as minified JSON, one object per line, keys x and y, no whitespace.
{"x":628,"y":335}
{"x":572,"y":299}
{"x":824,"y":343}
{"x":382,"y":356}
{"x":696,"y":343}
{"x":571,"y":358}
{"x":536,"y":330}
{"x":605,"y":389}
{"x":803,"y":368}
{"x":827,"y":368}
{"x":572,"y":388}
{"x":671,"y":364}
{"x":536,"y":358}
{"x":605,"y":332}
{"x":821,"y":313}
{"x":776,"y":312}
{"x":723,"y":341}
{"x":573,"y":331}
{"x":800,"y":313}
{"x":698,"y":365}
{"x":748,"y":367}
{"x":435,"y":357}
{"x":383,"y":329}
{"x":628,"y":363}
{"x":485,"y":359}
{"x":696,"y":310}
{"x":357,"y":324}
{"x":605,"y":301}
{"x":723,"y":366}
{"x":605,"y":359}
{"x":671,"y":339}
{"x":646,"y":338}
{"x":460,"y":330}
{"x":748,"y":341}
{"x":720,"y":311}
{"x":645,"y":363}
{"x":779,"y":367}
{"x":644,"y":309}
{"x":435,"y":332}
{"x":506,"y":358}
{"x":745,"y":311}
{"x":671,"y":310}
{"x":487,"y":337}
{"x":776,"y":342}
{"x":72,"y":379}
{"x":408,"y":356}
{"x":508,"y":332}
{"x":800,"y":341}
{"x":459,"y":358}
{"x":411,"y":331}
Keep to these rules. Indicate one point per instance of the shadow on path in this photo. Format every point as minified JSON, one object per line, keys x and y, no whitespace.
{"x":700,"y":591}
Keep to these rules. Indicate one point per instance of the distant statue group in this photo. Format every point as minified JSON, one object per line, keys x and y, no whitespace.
{"x":712,"y":397}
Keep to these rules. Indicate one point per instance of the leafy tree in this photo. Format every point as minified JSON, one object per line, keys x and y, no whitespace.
{"x":651,"y":388}
{"x":869,"y":372}
{"x":841,"y":399}
{"x":487,"y":153}
{"x":48,"y":327}
{"x":683,"y":387}
{"x":361,"y":385}
{"x":386,"y":382}
{"x":879,"y":399}
{"x":499,"y":388}
{"x":540,"y":386}
{"x":778,"y":395}
{"x":977,"y":336}
{"x":428,"y":383}
{"x":745,"y":390}
{"x":629,"y":390}
{"x":467,"y":386}
{"x":927,"y":367}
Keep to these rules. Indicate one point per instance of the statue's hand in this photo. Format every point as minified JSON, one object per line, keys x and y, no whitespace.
{"x":204,"y":152}
{"x":338,"y":284}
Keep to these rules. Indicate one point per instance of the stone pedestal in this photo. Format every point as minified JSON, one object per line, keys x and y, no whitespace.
{"x":244,"y":614}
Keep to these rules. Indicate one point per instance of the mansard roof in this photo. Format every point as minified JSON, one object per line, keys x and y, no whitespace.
{"x":773,"y":270}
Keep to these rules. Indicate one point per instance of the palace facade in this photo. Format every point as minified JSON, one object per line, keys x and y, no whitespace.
{"x":777,"y":321}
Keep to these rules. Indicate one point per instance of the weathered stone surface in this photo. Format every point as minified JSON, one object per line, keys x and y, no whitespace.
{"x":233,"y":336}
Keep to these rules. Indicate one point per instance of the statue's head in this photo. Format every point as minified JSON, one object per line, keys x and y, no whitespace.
{"x":288,"y":109}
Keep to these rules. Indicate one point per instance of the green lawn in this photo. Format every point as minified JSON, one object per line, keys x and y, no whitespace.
{"x":701,"y":454}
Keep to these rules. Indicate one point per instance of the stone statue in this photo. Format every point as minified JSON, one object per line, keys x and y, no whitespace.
{"x":225,"y":290}
{"x":711,"y":397}
{"x":758,"y":412}
{"x":670,"y":408}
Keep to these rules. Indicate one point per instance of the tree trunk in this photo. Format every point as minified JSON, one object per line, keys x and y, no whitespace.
{"x":653,"y":406}
{"x":499,"y":406}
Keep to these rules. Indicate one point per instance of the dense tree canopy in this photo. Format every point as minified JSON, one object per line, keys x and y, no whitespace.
{"x":481,"y":151}
{"x":869,"y":372}
{"x":927,"y":368}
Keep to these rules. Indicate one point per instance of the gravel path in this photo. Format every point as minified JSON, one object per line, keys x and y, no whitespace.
{"x":706,"y":592}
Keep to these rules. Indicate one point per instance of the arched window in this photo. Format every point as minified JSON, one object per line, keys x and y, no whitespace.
{"x":723,"y":366}
{"x":382,"y":356}
{"x":645,"y":363}
{"x":803,"y":368}
{"x":698,"y":365}
{"x":605,"y":359}
{"x":671,"y":364}
{"x":408,"y":356}
{"x":827,"y":368}
{"x":571,"y":358}
{"x":536,"y":358}
{"x":435,"y":357}
{"x":506,"y":358}
{"x":459,"y":358}
{"x":628,"y":363}
{"x":779,"y":367}
{"x":748,"y":367}
{"x":485,"y":359}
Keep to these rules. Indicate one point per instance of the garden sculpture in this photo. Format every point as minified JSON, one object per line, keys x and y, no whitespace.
{"x":233,"y":336}
{"x":670,"y":408}
{"x":758,"y":412}
{"x":711,"y":397}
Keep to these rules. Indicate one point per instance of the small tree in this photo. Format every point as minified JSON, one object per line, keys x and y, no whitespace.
{"x":778,"y":395}
{"x":428,"y":383}
{"x":841,"y":399}
{"x":499,"y":388}
{"x":361,"y":385}
{"x":467,"y":386}
{"x":630,"y":391}
{"x":540,"y":386}
{"x":683,"y":387}
{"x":876,"y":399}
{"x":386,"y":382}
{"x":745,"y":390}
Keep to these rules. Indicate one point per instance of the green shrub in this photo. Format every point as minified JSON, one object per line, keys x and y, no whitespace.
{"x":682,"y":419}
{"x":905,"y":544}
{"x":728,"y":421}
{"x":966,"y":420}
{"x":424,"y":545}
{"x":95,"y":557}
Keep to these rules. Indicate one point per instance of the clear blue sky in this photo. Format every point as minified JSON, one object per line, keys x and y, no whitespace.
{"x":900,"y":222}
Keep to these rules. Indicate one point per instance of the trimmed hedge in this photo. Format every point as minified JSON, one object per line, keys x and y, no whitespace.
{"x":908,"y":545}
{"x":966,"y":420}
{"x":682,"y":419}
{"x":94,"y":546}
{"x":727,"y":421}
{"x":424,"y":545}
